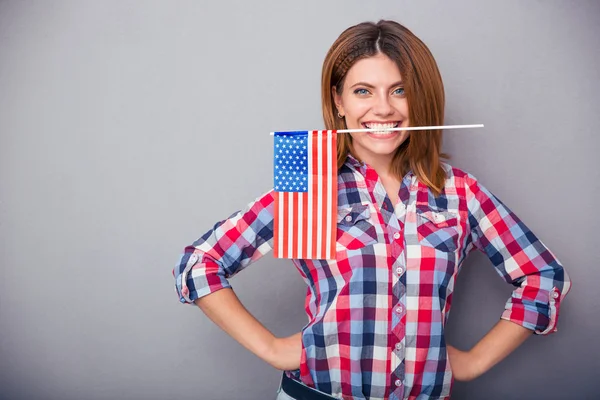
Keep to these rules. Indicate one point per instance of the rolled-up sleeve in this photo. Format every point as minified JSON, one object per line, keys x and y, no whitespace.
{"x":540,"y":281}
{"x":229,"y":247}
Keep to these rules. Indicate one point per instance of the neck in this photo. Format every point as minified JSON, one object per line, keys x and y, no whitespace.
{"x":380,"y":163}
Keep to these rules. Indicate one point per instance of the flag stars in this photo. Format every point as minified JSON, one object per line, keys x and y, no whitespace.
{"x":290,"y":163}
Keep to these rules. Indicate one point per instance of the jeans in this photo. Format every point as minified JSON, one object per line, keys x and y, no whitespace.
{"x":290,"y":389}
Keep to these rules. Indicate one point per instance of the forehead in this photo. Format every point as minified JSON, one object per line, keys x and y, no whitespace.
{"x":378,"y":70}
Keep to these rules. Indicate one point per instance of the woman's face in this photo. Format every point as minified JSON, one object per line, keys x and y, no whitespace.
{"x":373,"y":97}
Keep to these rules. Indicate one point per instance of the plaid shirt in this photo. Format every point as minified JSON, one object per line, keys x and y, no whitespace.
{"x":377,"y":312}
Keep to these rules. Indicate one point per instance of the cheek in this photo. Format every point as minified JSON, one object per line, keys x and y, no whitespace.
{"x":401,"y":106}
{"x":355,"y":109}
{"x":353,"y":135}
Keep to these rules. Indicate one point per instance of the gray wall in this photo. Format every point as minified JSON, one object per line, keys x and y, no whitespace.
{"x":127,"y":128}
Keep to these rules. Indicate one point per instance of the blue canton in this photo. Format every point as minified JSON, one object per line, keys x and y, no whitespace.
{"x":291,"y":162}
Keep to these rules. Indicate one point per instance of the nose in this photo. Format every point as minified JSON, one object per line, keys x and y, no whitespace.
{"x":382,"y":106}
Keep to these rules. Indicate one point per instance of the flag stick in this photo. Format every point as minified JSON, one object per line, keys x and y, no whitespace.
{"x":407,"y":128}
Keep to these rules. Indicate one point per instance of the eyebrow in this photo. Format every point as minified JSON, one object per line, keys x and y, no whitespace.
{"x":399,"y":83}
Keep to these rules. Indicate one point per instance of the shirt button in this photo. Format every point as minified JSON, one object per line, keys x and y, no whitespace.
{"x":555,"y":295}
{"x":193,"y":259}
{"x":399,"y":270}
{"x":396,"y":235}
{"x":398,"y":346}
{"x":348,"y":218}
{"x":399,"y":309}
{"x":398,"y":383}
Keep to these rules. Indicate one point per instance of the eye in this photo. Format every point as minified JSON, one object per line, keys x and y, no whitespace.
{"x":399,"y":91}
{"x":361,"y":91}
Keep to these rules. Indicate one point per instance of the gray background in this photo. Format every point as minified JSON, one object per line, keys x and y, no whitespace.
{"x":127,"y":128}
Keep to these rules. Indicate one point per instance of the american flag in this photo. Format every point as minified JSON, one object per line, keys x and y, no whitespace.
{"x":305,"y":183}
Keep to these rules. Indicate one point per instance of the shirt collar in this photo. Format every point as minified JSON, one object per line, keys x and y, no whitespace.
{"x":352,"y":161}
{"x":362,"y":167}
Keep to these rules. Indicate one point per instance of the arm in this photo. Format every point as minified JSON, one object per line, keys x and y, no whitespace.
{"x":202,"y":274}
{"x":229,"y":247}
{"x":522,"y":260}
{"x":226,"y":311}
{"x":496,"y":345}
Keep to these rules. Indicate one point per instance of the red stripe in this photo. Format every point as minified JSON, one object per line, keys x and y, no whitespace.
{"x":304,"y":222}
{"x":284,"y":226}
{"x":294,"y":226}
{"x":313,"y":172}
{"x":276,"y":226}
{"x":333,"y":177}
{"x":325,"y":205}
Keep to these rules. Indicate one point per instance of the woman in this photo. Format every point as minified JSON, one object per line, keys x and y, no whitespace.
{"x":406,"y":223}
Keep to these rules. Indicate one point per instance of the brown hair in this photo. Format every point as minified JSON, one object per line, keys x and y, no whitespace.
{"x":423,"y":87}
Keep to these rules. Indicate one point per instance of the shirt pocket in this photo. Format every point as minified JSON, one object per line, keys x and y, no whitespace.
{"x":438,"y":229}
{"x":354,"y":228}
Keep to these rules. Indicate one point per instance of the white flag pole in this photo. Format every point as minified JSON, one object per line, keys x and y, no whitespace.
{"x":407,"y":128}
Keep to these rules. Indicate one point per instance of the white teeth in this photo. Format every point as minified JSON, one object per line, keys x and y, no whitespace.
{"x":381,"y":126}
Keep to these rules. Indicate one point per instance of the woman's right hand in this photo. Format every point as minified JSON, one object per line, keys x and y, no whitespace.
{"x":286,"y":352}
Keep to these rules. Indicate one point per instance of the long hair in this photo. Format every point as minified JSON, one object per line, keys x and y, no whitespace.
{"x":423,"y":87}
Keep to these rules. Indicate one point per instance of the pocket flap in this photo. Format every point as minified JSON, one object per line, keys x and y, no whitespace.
{"x":440,"y":218}
{"x":350,"y":215}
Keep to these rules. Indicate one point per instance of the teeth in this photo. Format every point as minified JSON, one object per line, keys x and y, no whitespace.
{"x":381,"y":126}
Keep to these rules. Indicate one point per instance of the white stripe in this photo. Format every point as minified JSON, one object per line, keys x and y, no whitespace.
{"x":319,"y":194}
{"x":290,"y":230}
{"x":280,"y":233}
{"x":309,"y":219}
{"x":300,"y":195}
{"x":328,"y":215}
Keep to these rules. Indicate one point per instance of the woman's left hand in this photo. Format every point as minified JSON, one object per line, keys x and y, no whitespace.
{"x":463,"y":363}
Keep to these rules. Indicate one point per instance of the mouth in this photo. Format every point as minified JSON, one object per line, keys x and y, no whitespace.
{"x":381,"y":126}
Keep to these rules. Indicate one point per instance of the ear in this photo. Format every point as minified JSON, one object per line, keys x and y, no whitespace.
{"x":337,"y":99}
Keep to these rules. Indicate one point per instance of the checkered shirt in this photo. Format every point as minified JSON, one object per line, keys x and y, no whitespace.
{"x":377,"y":313}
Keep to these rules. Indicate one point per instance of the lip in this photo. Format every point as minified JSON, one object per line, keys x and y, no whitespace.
{"x":383,"y":136}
